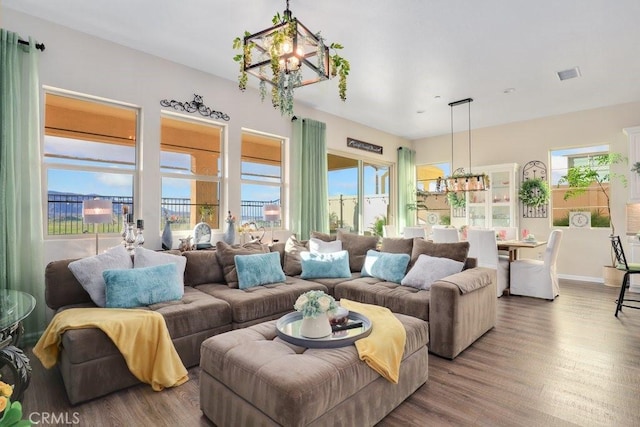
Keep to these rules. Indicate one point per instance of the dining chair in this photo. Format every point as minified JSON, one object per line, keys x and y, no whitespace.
{"x":445,"y":235}
{"x":389,"y":231}
{"x":411,"y":232}
{"x":483,"y":247}
{"x":629,"y":269}
{"x":538,"y":278}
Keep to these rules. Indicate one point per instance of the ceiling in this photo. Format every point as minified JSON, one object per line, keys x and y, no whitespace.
{"x":406,"y":56}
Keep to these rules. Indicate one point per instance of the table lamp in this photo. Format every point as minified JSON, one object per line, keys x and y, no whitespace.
{"x":97,"y":212}
{"x":271,"y":213}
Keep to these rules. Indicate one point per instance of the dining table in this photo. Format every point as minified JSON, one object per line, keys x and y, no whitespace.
{"x":512,"y":246}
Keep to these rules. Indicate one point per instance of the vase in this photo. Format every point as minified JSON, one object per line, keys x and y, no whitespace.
{"x":315,"y":327}
{"x":229,"y":236}
{"x":167,"y":236}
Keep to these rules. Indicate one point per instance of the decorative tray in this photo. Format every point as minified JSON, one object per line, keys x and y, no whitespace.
{"x":288,"y":328}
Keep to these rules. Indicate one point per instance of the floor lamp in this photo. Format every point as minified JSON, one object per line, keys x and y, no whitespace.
{"x":271,"y":213}
{"x":97,"y":212}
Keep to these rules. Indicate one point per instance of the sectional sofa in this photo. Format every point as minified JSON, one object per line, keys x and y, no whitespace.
{"x":459,"y":308}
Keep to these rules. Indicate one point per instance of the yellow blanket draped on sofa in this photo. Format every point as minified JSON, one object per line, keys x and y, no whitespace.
{"x":382,"y":350}
{"x":140,"y":335}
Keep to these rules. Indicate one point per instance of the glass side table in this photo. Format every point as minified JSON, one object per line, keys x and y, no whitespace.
{"x":15,"y":306}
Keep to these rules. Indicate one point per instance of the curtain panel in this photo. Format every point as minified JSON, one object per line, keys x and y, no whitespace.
{"x":406,"y":188}
{"x":309,"y":193}
{"x":21,"y":229}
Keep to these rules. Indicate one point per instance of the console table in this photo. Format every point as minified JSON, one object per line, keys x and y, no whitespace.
{"x":15,"y":306}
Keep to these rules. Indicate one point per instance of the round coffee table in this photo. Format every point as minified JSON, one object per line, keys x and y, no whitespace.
{"x":15,"y":306}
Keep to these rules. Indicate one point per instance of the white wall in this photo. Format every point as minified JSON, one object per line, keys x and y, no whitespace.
{"x":582,"y":252}
{"x":77,"y":62}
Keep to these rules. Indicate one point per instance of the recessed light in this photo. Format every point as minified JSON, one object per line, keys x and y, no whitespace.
{"x":420,"y":111}
{"x":509,"y":90}
{"x":436,"y":97}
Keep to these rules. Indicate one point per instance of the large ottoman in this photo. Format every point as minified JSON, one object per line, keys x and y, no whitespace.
{"x":252,"y":377}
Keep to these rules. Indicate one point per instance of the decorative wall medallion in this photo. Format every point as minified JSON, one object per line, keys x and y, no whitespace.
{"x":193,"y":106}
{"x":433,"y":218}
{"x":580,"y":219}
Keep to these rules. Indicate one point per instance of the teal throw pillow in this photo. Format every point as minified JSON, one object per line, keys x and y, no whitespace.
{"x":385,"y":265}
{"x":138,"y":287}
{"x":329,"y":265}
{"x":258,"y":269}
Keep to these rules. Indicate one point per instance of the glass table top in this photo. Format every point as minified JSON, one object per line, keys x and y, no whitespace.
{"x":15,"y":306}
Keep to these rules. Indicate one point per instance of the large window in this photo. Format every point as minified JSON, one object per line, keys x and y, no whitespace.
{"x":261,"y":174}
{"x":89,"y":152}
{"x":190,"y":164}
{"x":593,"y":200}
{"x":432,"y":207}
{"x":359,"y":194}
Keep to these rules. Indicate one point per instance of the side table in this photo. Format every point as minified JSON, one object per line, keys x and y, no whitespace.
{"x":15,"y":306}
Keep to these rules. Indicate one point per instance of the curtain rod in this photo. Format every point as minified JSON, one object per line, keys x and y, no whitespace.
{"x":39,"y":46}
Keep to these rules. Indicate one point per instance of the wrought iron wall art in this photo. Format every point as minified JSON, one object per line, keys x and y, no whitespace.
{"x":193,"y":106}
{"x":534,"y":170}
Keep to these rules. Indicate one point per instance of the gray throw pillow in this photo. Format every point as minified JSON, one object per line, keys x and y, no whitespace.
{"x":292,"y":261}
{"x":226,"y":257}
{"x":147,"y":258}
{"x":88,"y":271}
{"x":357,"y":246}
{"x":428,"y":269}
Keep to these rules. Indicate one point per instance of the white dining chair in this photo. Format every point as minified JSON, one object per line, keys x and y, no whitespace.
{"x":483,"y":247}
{"x":445,"y":235}
{"x":411,"y":232}
{"x":538,"y":278}
{"x":389,"y":231}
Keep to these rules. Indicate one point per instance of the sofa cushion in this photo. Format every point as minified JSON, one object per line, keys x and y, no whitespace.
{"x":323,"y":236}
{"x":137,"y":287}
{"x":429,"y":269}
{"x":202,"y":267}
{"x":227,"y":253}
{"x":89,"y":270}
{"x":148,"y":258}
{"x":397,"y":245}
{"x":259,"y":269}
{"x":357,"y":246}
{"x":385,"y":265}
{"x":292,"y":263}
{"x":261,"y":303}
{"x":455,"y":251}
{"x":331,"y":282}
{"x":334,"y":264}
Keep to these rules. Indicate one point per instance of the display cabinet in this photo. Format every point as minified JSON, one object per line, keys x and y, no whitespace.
{"x":497,"y":206}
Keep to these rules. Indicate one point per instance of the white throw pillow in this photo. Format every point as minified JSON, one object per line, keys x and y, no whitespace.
{"x":148,"y":258}
{"x":429,"y":269}
{"x":88,"y":271}
{"x":317,"y":246}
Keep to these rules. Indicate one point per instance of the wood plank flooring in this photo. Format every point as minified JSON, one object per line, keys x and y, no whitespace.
{"x":564,"y":363}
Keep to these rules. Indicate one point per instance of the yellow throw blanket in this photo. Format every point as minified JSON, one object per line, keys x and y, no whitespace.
{"x":382,"y":350}
{"x":140,"y":335}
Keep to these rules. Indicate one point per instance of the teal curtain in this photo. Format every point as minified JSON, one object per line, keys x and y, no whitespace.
{"x":21,"y":234}
{"x":309,"y":193}
{"x":406,"y":187}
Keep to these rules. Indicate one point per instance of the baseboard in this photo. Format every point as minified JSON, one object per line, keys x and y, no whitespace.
{"x":590,"y":279}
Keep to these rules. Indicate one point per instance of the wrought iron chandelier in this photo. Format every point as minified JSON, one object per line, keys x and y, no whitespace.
{"x":288,"y":55}
{"x":459,"y":179}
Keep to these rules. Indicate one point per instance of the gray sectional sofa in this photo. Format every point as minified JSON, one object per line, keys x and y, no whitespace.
{"x":459,"y":308}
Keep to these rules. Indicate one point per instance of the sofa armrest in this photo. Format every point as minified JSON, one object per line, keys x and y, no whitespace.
{"x":457,"y":319}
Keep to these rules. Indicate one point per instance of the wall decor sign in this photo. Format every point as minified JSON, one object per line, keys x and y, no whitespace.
{"x":366,"y":146}
{"x":193,"y":106}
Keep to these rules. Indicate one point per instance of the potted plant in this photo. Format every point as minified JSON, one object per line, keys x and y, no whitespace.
{"x":579,"y":179}
{"x":534,"y":192}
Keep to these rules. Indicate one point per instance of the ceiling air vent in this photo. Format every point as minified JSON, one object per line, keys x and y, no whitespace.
{"x":569,"y":74}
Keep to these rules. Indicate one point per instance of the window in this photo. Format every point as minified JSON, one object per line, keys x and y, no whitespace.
{"x":190,"y":166}
{"x":593,"y":199}
{"x":428,"y":181}
{"x":89,"y":152}
{"x":261,"y":175}
{"x":359,"y":194}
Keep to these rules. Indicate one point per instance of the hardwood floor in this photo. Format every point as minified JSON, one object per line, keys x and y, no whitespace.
{"x":563,"y":363}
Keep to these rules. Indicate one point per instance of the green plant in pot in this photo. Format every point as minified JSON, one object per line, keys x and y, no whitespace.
{"x":581,"y":178}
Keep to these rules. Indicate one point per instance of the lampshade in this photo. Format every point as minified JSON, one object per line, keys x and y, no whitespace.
{"x":97,"y":211}
{"x":271,"y":212}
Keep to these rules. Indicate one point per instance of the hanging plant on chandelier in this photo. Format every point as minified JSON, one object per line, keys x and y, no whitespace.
{"x":286,"y":56}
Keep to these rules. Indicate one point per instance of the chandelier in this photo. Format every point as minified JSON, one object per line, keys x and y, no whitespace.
{"x":286,"y":56}
{"x":460,"y":180}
